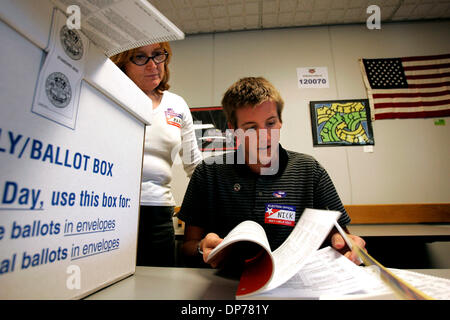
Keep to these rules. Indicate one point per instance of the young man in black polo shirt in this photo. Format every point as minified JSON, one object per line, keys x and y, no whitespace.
{"x":229,"y":189}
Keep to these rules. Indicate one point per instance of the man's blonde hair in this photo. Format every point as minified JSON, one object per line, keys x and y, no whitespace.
{"x":249,"y":91}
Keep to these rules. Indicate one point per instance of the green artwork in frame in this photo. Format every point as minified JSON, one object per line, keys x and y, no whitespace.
{"x":341,"y":123}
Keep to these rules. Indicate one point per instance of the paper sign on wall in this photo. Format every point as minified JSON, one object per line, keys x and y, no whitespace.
{"x":312,"y":77}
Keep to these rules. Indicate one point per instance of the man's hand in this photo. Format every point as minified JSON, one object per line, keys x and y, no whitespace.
{"x":211,"y":241}
{"x":338,"y":243}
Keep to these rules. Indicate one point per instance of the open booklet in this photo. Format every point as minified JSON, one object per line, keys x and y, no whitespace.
{"x":268,"y":269}
{"x":298,"y":270}
{"x":120,"y":25}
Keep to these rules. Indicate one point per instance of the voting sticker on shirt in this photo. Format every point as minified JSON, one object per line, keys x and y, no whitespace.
{"x":173,"y":118}
{"x":280,"y":214}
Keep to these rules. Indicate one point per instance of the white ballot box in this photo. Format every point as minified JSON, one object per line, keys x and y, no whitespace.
{"x":72,"y":131}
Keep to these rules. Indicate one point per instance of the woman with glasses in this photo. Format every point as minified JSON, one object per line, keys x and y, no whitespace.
{"x":170,"y":133}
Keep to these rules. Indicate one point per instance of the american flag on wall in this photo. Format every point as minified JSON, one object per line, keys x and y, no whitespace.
{"x":411,"y":87}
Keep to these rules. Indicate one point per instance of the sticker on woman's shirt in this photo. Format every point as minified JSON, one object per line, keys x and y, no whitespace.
{"x":280,"y":214}
{"x":173,"y":118}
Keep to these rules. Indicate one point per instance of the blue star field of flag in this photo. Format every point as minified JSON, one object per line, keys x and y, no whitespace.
{"x":385,"y":73}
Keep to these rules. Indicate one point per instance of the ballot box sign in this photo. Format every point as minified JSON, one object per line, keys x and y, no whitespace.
{"x":69,"y":195}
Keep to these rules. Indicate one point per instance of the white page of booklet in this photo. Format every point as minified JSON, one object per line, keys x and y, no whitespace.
{"x":245,"y":231}
{"x":326,"y":272}
{"x":307,"y":236}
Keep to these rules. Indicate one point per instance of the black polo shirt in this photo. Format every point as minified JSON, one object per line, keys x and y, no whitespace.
{"x":221,"y":195}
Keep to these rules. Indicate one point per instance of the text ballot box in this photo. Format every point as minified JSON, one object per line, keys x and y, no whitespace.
{"x":69,"y":189}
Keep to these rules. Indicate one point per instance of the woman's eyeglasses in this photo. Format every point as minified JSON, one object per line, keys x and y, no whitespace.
{"x":141,"y":59}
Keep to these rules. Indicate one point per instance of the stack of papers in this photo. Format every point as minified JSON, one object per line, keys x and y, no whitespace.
{"x":329,"y":275}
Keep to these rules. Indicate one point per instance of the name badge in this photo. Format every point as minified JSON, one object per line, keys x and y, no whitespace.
{"x":173,"y":118}
{"x":280,"y":214}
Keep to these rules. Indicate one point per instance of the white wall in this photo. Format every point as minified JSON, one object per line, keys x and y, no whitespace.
{"x":411,"y":158}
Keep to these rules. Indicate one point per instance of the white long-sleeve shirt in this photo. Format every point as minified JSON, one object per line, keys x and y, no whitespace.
{"x":171,"y":133}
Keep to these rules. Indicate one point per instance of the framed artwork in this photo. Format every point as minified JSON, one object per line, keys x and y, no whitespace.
{"x":341,"y":123}
{"x":210,"y":125}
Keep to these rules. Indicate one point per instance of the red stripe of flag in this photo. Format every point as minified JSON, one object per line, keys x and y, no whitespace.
{"x":406,"y":115}
{"x":410,"y":104}
{"x":428,"y":76}
{"x":429,"y":85}
{"x":435,"y":57}
{"x":410,"y":95}
{"x":427,"y":67}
